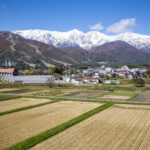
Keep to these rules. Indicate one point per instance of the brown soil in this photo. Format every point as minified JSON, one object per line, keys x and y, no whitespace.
{"x":19,"y":126}
{"x":115,"y":97}
{"x":120,"y":127}
{"x":18,"y":103}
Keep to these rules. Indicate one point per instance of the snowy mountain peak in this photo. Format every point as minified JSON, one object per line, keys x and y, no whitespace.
{"x":78,"y":39}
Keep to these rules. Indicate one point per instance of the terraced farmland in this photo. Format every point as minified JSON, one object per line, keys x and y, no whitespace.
{"x":120,"y":127}
{"x":71,"y":120}
{"x":19,"y":126}
{"x":20,"y":102}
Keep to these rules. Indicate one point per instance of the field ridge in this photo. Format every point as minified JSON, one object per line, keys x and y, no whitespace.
{"x":28,"y":143}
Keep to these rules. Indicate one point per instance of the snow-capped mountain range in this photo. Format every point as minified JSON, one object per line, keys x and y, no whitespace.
{"x":79,"y":39}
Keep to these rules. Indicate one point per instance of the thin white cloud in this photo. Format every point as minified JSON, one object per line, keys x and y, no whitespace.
{"x":4,"y":10}
{"x":97,"y":26}
{"x":3,"y":6}
{"x":125,"y":25}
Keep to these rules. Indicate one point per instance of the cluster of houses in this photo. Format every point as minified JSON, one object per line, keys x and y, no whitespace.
{"x":94,"y":75}
{"x":88,"y":80}
{"x":81,"y":80}
{"x":124,"y":72}
{"x":83,"y":76}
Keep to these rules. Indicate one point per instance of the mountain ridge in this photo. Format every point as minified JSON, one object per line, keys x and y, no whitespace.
{"x":122,"y":52}
{"x":78,"y":39}
{"x":23,"y":51}
{"x":30,"y":52}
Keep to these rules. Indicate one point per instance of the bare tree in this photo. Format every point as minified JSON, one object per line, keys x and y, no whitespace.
{"x":50,"y":82}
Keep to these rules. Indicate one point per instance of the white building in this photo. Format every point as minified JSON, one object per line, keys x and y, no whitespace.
{"x":108,"y":69}
{"x":112,"y":82}
{"x":76,"y":81}
{"x":125,"y":68}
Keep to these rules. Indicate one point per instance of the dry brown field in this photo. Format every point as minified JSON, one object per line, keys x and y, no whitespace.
{"x":120,"y":127}
{"x":17,"y":127}
{"x":68,"y":92}
{"x":36,"y":92}
{"x":7,"y":89}
{"x":115,"y":97}
{"x":81,"y":95}
{"x":45,"y":92}
{"x":18,"y":103}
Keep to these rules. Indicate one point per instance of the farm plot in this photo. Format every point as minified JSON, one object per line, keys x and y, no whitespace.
{"x":118,"y":95}
{"x":21,"y":125}
{"x":7,"y":89}
{"x":46,"y":92}
{"x":17,"y":91}
{"x":142,"y":98}
{"x":20,"y":102}
{"x":55,"y":92}
{"x":6,"y":97}
{"x":80,"y":95}
{"x":84,"y":94}
{"x":120,"y":127}
{"x":68,"y":92}
{"x":31,"y":91}
{"x":35,"y":92}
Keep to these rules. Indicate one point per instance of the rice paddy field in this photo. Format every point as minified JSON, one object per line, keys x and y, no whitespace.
{"x":51,"y":92}
{"x":20,"y":102}
{"x":6,"y":97}
{"x":18,"y":126}
{"x":101,"y":95}
{"x":43,"y":118}
{"x":7,"y":89}
{"x":120,"y":127}
{"x":115,"y":97}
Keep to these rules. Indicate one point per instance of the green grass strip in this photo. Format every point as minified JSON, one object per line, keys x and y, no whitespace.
{"x":49,"y":133}
{"x":16,"y":91}
{"x":38,"y":97}
{"x":25,"y":108}
{"x":130,"y":103}
{"x":133,"y":96}
{"x":9,"y":98}
{"x":79,"y":100}
{"x":101,"y":101}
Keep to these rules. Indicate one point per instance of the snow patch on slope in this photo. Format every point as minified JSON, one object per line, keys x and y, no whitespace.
{"x":76,"y":38}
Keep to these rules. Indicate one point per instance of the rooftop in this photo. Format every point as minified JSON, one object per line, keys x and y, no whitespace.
{"x":7,"y":70}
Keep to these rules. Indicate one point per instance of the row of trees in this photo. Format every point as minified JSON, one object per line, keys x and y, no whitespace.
{"x":56,"y":70}
{"x":138,"y":82}
{"x":51,"y":71}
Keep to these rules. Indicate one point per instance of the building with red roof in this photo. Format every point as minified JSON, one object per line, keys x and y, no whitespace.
{"x":8,"y":72}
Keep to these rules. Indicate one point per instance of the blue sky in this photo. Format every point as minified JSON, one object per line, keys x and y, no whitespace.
{"x":107,"y":16}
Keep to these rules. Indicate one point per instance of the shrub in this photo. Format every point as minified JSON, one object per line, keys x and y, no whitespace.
{"x":138,"y":82}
